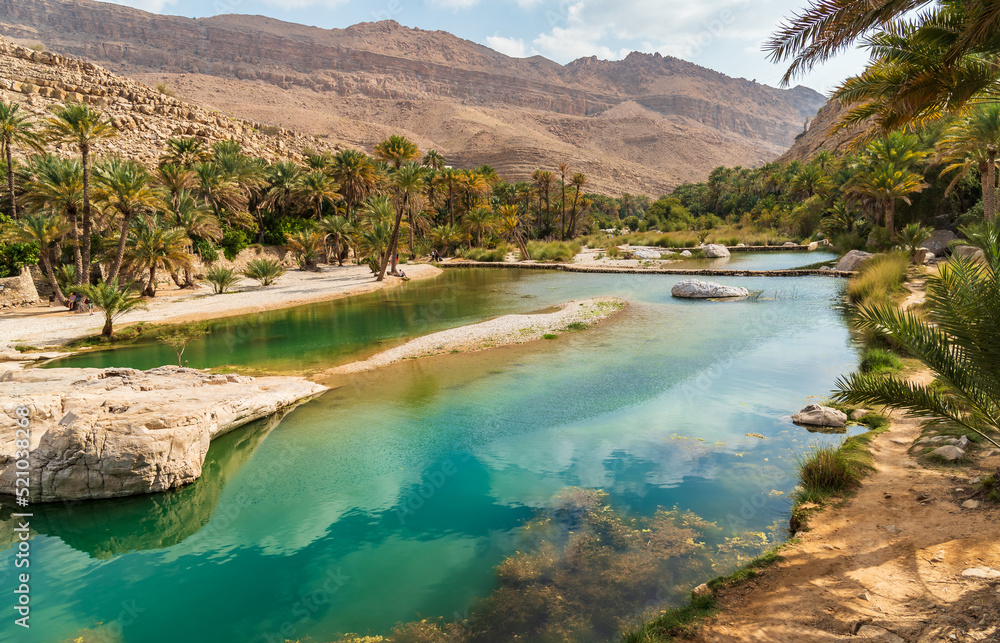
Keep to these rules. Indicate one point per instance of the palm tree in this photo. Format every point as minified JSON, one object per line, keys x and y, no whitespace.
{"x":306,"y":246}
{"x":451,"y":179}
{"x":357,"y":177}
{"x":153,"y":244}
{"x":885,"y":184}
{"x":16,"y":128}
{"x":125,"y":187}
{"x":77,"y":124}
{"x":913,"y":235}
{"x":480,"y":221}
{"x":811,"y":181}
{"x":956,"y":340}
{"x":185,"y":153}
{"x":316,"y":189}
{"x":433,"y":160}
{"x":43,"y":230}
{"x":283,"y":183}
{"x":317,"y":161}
{"x":974,"y":141}
{"x":336,"y":230}
{"x":578,"y":181}
{"x":563,"y":168}
{"x":447,"y":237}
{"x":57,"y":184}
{"x":396,"y":150}
{"x":114,"y":300}
{"x":198,"y":222}
{"x":407,"y":182}
{"x":175,"y":180}
{"x":218,"y":189}
{"x":543,"y":183}
{"x":509,"y":227}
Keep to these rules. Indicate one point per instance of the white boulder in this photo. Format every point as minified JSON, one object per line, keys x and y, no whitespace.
{"x":716,"y":251}
{"x":948,"y":452}
{"x":818,"y":415}
{"x":644,"y":253}
{"x":852,"y":260}
{"x":697,"y":289}
{"x":686,"y":253}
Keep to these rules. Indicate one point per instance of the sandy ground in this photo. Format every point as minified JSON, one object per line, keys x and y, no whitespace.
{"x":53,"y":326}
{"x":887,"y":564}
{"x":502,"y":331}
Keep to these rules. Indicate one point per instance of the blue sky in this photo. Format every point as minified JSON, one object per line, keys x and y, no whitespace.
{"x":724,"y":35}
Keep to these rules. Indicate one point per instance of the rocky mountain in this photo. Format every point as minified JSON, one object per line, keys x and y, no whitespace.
{"x":822,"y":134}
{"x":642,"y":124}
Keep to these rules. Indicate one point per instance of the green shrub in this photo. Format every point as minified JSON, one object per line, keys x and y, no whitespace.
{"x":827,"y":471}
{"x":206,"y":250}
{"x":879,"y":360}
{"x":577,"y":326}
{"x":879,"y":280}
{"x":233,"y":241}
{"x":614,"y":252}
{"x":550,"y":336}
{"x":15,"y":256}
{"x":484,"y":254}
{"x":222,"y":279}
{"x":265,"y":271}
{"x":553,"y":251}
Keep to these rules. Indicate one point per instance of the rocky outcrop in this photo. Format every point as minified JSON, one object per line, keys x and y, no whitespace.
{"x":968,"y":252}
{"x":102,"y":433}
{"x":697,"y":289}
{"x":818,"y":415}
{"x":18,"y":291}
{"x":938,"y":241}
{"x":852,"y":260}
{"x":716,"y":251}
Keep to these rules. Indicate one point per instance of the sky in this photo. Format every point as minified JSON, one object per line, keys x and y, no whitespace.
{"x":724,"y":35}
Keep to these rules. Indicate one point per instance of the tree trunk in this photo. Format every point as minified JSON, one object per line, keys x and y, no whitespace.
{"x":573,"y":215}
{"x":413,"y":253}
{"x":10,"y":179}
{"x":87,"y":223}
{"x":77,"y":255}
{"x":562,"y":224}
{"x":176,"y":278}
{"x":451,"y":206}
{"x":990,"y":188}
{"x":150,"y":290}
{"x":890,"y":219}
{"x":107,"y":331}
{"x":120,"y":254}
{"x":391,"y":252}
{"x":56,"y":290}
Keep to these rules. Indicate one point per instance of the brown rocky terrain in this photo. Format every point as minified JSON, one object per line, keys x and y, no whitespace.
{"x":642,"y":124}
{"x":144,"y":117}
{"x":822,"y":134}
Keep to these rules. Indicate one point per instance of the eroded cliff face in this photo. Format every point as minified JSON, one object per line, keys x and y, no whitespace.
{"x":345,"y":72}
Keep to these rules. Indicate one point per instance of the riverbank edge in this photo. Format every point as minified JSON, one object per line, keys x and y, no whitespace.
{"x":708,"y":272}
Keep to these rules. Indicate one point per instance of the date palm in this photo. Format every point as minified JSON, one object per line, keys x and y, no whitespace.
{"x":336,"y":230}
{"x":563,"y":168}
{"x":451,"y":180}
{"x":16,"y":129}
{"x":321,"y":161}
{"x":57,"y":184}
{"x":396,"y":150}
{"x":543,"y":185}
{"x":509,"y":227}
{"x":43,"y":230}
{"x":407,"y":183}
{"x":433,"y":160}
{"x":114,"y":300}
{"x":316,"y":189}
{"x":155,"y":244}
{"x":197,"y":221}
{"x":125,"y":187}
{"x":480,"y":222}
{"x":185,"y":153}
{"x":956,"y":340}
{"x":885,"y":183}
{"x":306,"y":245}
{"x":282,"y":183}
{"x":175,"y":180}
{"x":974,"y":141}
{"x":578,"y":181}
{"x":356,"y":174}
{"x":447,"y":237}
{"x":78,"y":125}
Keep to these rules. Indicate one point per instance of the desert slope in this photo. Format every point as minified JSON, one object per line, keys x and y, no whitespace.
{"x":642,"y":124}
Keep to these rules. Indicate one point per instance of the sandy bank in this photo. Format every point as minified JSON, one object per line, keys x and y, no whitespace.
{"x":502,"y":331}
{"x":48,"y":327}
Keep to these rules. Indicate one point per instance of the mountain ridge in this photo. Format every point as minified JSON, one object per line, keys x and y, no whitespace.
{"x":359,"y":83}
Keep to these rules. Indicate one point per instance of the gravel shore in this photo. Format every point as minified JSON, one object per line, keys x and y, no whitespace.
{"x":54,"y":326}
{"x":502,"y":331}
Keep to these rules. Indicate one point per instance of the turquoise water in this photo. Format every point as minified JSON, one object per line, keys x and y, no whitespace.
{"x":777,"y":260}
{"x":394,"y":495}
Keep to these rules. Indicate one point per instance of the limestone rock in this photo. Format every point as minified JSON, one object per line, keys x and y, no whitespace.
{"x":949,"y":453}
{"x":686,"y":253}
{"x":716,"y":251}
{"x":968,"y":252}
{"x":923,"y":255}
{"x":643,"y":253}
{"x":938,"y":241}
{"x":789,"y":243}
{"x":971,"y":504}
{"x":818,"y":415}
{"x":857,"y":414}
{"x":852,"y":260}
{"x":697,"y":289}
{"x":984,"y":573}
{"x":102,"y":433}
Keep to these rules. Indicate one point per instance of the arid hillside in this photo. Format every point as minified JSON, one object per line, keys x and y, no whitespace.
{"x":642,"y":124}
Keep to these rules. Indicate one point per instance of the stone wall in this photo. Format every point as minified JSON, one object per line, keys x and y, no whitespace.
{"x":18,"y":291}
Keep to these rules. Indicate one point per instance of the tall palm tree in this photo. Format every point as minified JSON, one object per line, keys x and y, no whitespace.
{"x":316,"y":189}
{"x":811,"y":181}
{"x":78,"y":125}
{"x":43,"y":230}
{"x":356,"y":174}
{"x":885,"y":184}
{"x":336,"y":230}
{"x":57,"y":184}
{"x":16,"y":128}
{"x":509,"y":227}
{"x":480,"y":221}
{"x":176,"y":180}
{"x":396,"y":150}
{"x":974,"y":141}
{"x":218,"y":189}
{"x":114,"y":300}
{"x":563,"y":168}
{"x":283,"y":182}
{"x":956,"y":340}
{"x":433,"y":160}
{"x":197,"y":221}
{"x":543,"y":183}
{"x":451,"y":179}
{"x":578,"y":181}
{"x":127,"y":188}
{"x":407,"y":182}
{"x":321,"y":161}
{"x":155,"y":244}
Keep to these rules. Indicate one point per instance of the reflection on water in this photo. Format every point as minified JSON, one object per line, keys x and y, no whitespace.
{"x":397,"y":494}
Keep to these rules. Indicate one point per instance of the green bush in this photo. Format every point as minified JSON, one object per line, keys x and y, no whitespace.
{"x":879,"y":360}
{"x":553,"y":251}
{"x":222,"y":279}
{"x":484,"y":254}
{"x":879,"y":280}
{"x":206,"y":250}
{"x":15,"y":256}
{"x":265,"y":271}
{"x":233,"y":241}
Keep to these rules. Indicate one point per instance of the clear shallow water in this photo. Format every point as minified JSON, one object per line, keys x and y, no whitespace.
{"x":397,"y":493}
{"x":778,"y":260}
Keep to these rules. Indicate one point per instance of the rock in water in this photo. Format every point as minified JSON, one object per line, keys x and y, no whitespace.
{"x":938,"y":241}
{"x":716,"y":251}
{"x":697,"y":289}
{"x":104,"y":433}
{"x":852,"y":260}
{"x":817,"y":415}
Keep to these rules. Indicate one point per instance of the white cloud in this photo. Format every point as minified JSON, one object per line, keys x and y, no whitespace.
{"x":222,"y":5}
{"x":453,"y":4}
{"x":513,"y":47}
